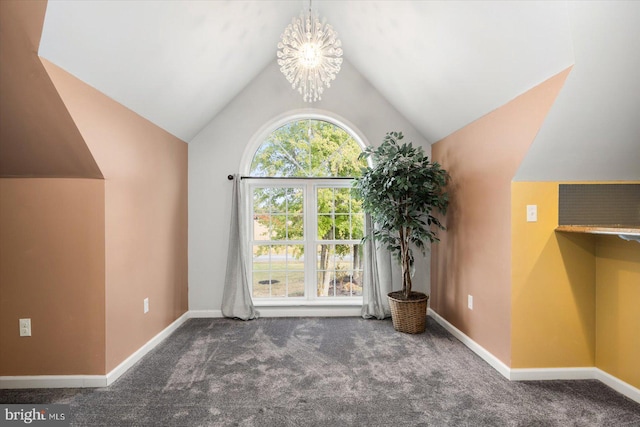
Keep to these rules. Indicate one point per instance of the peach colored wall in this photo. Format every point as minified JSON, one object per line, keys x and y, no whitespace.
{"x":143,"y":240}
{"x":37,"y":135}
{"x":145,"y":169}
{"x":52,"y":271}
{"x":474,"y":255}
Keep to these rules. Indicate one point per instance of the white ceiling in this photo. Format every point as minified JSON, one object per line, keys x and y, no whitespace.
{"x":178,"y":63}
{"x":445,"y":64}
{"x":441,"y":64}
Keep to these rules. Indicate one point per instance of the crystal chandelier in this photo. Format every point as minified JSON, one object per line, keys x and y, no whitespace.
{"x":309,"y":55}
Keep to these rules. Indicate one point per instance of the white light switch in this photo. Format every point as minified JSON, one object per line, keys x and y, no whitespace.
{"x":146,"y":305}
{"x":532,"y":213}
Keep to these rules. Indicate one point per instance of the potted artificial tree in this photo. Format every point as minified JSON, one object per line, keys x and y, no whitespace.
{"x":402,"y":192}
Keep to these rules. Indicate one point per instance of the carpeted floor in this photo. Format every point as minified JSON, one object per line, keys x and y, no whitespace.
{"x":327,"y":372}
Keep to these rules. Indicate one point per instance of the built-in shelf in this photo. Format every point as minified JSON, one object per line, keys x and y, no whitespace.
{"x":626,"y":232}
{"x":600,"y":209}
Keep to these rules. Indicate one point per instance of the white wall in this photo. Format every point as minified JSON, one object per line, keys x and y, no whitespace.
{"x":592,"y":132}
{"x":218,"y":149}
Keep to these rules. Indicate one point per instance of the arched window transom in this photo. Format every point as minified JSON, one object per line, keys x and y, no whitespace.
{"x":308,"y":148}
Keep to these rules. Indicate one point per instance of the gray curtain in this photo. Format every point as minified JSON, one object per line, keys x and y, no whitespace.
{"x":236,"y":298}
{"x":378,"y":278}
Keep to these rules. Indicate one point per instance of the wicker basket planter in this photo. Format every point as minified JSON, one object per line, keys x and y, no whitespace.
{"x":409,"y":315}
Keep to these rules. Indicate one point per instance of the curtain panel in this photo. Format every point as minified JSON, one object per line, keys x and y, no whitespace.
{"x":378,"y":277}
{"x":236,"y":297}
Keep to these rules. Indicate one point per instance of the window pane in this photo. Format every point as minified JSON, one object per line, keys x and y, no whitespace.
{"x":343,"y":200}
{"x":325,"y":257}
{"x":295,"y":201}
{"x":357,"y":226}
{"x":261,"y":200}
{"x":278,"y":271}
{"x":261,"y":213}
{"x":295,"y":270}
{"x":325,"y":200}
{"x":261,"y":225}
{"x":270,"y":270}
{"x":325,"y":284}
{"x":279,"y":200}
{"x":342,"y":227}
{"x":339,"y":270}
{"x":325,"y":227}
{"x":261,"y":257}
{"x":340,"y":216}
{"x":261,"y":284}
{"x":295,"y":227}
{"x":278,"y":227}
{"x":296,"y":284}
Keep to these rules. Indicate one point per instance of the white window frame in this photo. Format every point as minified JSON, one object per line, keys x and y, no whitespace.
{"x":245,"y":169}
{"x":310,"y":242}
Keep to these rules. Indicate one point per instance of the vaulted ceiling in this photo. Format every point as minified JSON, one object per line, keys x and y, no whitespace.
{"x":441,"y":64}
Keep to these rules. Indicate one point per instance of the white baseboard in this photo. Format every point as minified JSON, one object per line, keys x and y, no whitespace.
{"x":310,"y":311}
{"x":82,"y":381}
{"x":53,"y":381}
{"x":513,"y":374}
{"x":290,"y":311}
{"x":618,"y":385}
{"x":484,"y":354}
{"x":540,"y":374}
{"x":142,"y":351}
{"x":195,"y":314}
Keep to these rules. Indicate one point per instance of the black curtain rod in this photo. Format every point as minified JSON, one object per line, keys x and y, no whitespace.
{"x":230,"y":177}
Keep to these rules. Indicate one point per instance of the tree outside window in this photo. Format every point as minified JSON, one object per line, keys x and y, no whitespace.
{"x":285,"y":227}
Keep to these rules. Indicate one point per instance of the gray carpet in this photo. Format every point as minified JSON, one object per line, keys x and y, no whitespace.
{"x":327,"y":372}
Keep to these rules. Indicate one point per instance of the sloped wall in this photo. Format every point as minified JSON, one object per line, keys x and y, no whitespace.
{"x":591,"y":132}
{"x":474,"y":255}
{"x":145,"y":171}
{"x":37,"y":135}
{"x":78,"y":256}
{"x":51,"y":229}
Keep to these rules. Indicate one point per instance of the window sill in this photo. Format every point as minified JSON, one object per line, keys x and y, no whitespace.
{"x":263,"y":302}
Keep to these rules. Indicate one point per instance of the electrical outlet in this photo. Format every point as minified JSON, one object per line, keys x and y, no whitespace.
{"x":25,"y":327}
{"x":470,"y":302}
{"x":146,"y":305}
{"x":532,"y":213}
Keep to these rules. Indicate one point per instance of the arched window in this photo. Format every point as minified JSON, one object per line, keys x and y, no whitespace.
{"x":306,"y":223}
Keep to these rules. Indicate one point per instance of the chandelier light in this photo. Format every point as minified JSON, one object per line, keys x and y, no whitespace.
{"x":309,"y":55}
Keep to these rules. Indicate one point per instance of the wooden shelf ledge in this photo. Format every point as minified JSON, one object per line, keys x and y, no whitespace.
{"x":618,"y":230}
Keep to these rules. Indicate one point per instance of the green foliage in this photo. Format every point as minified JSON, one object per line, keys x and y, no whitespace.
{"x":403,"y":192}
{"x":309,"y":148}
